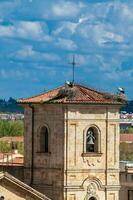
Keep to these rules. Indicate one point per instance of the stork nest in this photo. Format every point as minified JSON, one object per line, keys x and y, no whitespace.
{"x":116,"y":97}
{"x":66,"y":92}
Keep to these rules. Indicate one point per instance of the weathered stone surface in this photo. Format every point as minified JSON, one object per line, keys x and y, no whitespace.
{"x":13,"y":189}
{"x":67,"y":172}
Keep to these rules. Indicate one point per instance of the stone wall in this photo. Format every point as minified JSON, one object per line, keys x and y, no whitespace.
{"x":48,"y":167}
{"x":67,"y":172}
{"x":101,"y":169}
{"x":16,"y":171}
{"x":126,"y":180}
{"x":10,"y":195}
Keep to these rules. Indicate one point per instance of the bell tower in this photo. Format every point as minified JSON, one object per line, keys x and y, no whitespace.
{"x":72,"y":143}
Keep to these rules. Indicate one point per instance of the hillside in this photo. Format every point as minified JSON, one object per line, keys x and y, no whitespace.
{"x":128,"y":108}
{"x":10,"y":106}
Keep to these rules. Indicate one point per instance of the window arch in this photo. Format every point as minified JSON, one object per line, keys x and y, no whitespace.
{"x":44,"y":140}
{"x":92,"y":140}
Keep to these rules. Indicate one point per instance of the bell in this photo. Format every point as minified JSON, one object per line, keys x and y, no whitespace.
{"x":90,"y":141}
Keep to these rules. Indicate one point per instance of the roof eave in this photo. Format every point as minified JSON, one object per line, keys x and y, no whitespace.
{"x":80,"y":103}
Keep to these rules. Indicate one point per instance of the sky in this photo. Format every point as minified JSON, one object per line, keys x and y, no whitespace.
{"x":39,"y":37}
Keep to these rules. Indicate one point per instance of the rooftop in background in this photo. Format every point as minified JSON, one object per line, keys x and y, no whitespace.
{"x":74,"y":93}
{"x":126,"y":137}
{"x":126,"y":166}
{"x":13,"y":159}
{"x":12,"y":139}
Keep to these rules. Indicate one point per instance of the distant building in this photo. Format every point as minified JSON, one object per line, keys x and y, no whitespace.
{"x":126,"y":137}
{"x":12,"y":161}
{"x":11,"y":116}
{"x":126,"y":180}
{"x":126,"y":168}
{"x":126,"y":146}
{"x":11,"y":139}
{"x":14,"y":158}
{"x":12,"y":188}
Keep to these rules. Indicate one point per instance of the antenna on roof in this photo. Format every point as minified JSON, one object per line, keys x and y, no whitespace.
{"x":73,"y":63}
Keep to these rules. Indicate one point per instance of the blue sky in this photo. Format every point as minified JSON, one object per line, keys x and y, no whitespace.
{"x":39,"y":37}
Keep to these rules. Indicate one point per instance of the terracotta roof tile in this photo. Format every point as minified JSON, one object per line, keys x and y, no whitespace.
{"x":12,"y":139}
{"x":72,"y":94}
{"x":126,"y":137}
{"x":11,"y":159}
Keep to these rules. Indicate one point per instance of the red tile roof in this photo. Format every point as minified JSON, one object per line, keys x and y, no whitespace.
{"x":11,"y":159}
{"x":126,"y":137}
{"x":72,"y":94}
{"x":12,"y":139}
{"x":18,"y":161}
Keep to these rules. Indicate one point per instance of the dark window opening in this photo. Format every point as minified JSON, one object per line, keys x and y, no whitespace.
{"x":131,"y":177}
{"x":92,"y":140}
{"x":130,"y":194}
{"x":92,"y":198}
{"x":14,"y":145}
{"x":2,"y":198}
{"x":44,"y":139}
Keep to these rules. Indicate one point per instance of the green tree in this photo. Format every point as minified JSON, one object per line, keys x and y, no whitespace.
{"x":11,"y":128}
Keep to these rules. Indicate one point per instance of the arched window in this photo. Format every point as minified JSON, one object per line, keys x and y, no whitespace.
{"x":44,"y":140}
{"x":92,"y":140}
{"x":92,"y":198}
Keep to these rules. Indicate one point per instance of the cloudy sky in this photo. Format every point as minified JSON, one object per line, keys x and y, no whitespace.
{"x":39,"y":37}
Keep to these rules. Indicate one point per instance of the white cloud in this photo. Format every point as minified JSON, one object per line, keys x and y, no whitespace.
{"x":110,"y":36}
{"x":65,"y":28}
{"x":27,"y":52}
{"x":51,"y":57}
{"x":66,"y":44}
{"x":108,"y":64}
{"x":26,"y":29}
{"x":6,"y":31}
{"x":102,"y":28}
{"x":66,"y":9}
{"x":63,"y":9}
{"x":127,"y":11}
{"x":119,"y":75}
{"x":13,"y":74}
{"x":99,"y":33}
{"x":83,"y":19}
{"x":104,"y":33}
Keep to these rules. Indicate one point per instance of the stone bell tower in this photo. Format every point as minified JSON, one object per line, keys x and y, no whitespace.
{"x":72,"y":143}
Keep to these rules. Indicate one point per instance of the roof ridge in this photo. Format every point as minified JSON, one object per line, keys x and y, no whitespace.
{"x":23,"y":185}
{"x":90,"y":88}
